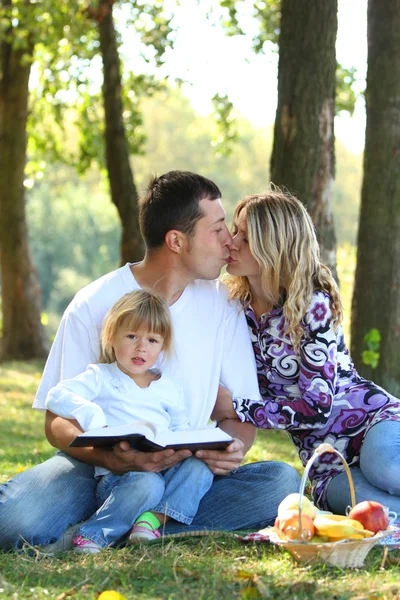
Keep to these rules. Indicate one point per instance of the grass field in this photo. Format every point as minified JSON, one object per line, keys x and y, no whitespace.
{"x":204,"y":568}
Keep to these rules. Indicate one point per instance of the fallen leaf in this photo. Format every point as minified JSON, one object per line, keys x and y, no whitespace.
{"x":242,"y":574}
{"x":111,"y":595}
{"x":249,"y":592}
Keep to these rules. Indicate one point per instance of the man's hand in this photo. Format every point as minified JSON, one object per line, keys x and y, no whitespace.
{"x":223,"y":462}
{"x":123,"y":458}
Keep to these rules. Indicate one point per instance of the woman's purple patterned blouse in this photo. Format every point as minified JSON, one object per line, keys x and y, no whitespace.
{"x":316,"y":395}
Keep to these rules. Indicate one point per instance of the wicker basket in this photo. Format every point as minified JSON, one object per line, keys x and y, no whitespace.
{"x":345,"y":553}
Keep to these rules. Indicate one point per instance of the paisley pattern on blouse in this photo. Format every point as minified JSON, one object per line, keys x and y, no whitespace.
{"x":316,"y":395}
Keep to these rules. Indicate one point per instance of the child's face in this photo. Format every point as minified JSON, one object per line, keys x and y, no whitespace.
{"x":136,"y":351}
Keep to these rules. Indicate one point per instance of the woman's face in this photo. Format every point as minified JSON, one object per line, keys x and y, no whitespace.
{"x":242,"y":261}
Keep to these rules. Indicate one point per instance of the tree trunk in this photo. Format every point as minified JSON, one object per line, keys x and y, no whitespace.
{"x":303,"y":152}
{"x":376,"y":298}
{"x":23,"y":334}
{"x":122,"y":185}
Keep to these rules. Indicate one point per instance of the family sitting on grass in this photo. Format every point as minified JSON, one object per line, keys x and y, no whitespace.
{"x":204,"y":368}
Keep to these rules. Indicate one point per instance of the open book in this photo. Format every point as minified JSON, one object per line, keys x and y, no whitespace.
{"x":142,"y":436}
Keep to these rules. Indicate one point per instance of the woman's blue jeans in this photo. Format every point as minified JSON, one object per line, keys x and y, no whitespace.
{"x":175,"y":492}
{"x":378,"y":477}
{"x":41,"y":503}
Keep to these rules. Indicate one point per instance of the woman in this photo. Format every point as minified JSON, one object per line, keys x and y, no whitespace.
{"x":307,"y":380}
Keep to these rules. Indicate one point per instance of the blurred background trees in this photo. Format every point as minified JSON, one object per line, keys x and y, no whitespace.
{"x":376,"y":299}
{"x":303,"y":155}
{"x":95,"y":134}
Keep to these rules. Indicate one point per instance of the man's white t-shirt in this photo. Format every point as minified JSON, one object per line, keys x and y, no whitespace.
{"x":211,"y":342}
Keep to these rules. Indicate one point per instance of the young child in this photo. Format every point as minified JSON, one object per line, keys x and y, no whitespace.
{"x":121,"y":389}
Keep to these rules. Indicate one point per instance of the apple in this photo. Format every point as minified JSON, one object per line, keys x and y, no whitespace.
{"x":292,"y":502}
{"x":371,"y":515}
{"x":288,"y":524}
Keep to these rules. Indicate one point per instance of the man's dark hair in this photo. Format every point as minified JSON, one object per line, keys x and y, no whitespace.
{"x":172,"y":202}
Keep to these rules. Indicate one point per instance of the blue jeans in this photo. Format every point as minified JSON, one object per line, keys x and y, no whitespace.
{"x":40,"y":504}
{"x":175,"y":492}
{"x":378,"y":477}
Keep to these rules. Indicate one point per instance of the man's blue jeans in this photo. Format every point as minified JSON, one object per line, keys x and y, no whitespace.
{"x":121,"y":499}
{"x":378,"y":477}
{"x":41,"y":503}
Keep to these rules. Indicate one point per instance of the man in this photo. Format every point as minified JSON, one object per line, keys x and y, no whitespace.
{"x":187,"y":243}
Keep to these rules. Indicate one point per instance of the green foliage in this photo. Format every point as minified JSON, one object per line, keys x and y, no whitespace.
{"x":267,"y":15}
{"x":372,"y":340}
{"x":345,"y":94}
{"x":65,"y":73}
{"x":153,"y":24}
{"x":346,"y":194}
{"x":75,"y":229}
{"x":226,"y":126}
{"x":74,"y":234}
{"x":265,"y":12}
{"x":190,"y":146}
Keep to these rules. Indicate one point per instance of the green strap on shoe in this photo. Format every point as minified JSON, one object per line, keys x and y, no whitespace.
{"x":148,"y":520}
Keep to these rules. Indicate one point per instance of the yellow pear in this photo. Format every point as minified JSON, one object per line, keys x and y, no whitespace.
{"x":292,"y":502}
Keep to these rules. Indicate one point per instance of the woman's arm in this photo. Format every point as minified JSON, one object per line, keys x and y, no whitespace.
{"x":315,"y":370}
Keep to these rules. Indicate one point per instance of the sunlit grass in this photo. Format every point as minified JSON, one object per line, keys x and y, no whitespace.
{"x":220,"y":567}
{"x":203,"y":568}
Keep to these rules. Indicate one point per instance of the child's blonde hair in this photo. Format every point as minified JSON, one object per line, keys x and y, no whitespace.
{"x":140,"y":310}
{"x":282,"y":240}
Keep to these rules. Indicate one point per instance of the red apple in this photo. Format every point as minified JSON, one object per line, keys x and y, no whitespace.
{"x":288,"y":524}
{"x":371,"y":515}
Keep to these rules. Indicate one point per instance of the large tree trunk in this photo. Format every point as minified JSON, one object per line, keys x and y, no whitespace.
{"x":123,"y":189}
{"x":303,"y":153}
{"x":376,"y":299}
{"x":23,"y":334}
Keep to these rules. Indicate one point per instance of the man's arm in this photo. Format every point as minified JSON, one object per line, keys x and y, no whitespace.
{"x":222,"y":463}
{"x":238,"y":378}
{"x":121,"y":459}
{"x":228,"y":420}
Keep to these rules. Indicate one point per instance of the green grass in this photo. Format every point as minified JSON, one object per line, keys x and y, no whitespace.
{"x":204,"y":568}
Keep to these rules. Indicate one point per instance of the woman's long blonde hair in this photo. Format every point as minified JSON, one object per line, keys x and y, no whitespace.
{"x":137,"y":311}
{"x":282,"y":240}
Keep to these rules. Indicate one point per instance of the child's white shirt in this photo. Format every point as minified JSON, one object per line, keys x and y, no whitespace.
{"x":104,"y":395}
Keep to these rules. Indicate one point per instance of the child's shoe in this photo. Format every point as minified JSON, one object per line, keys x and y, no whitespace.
{"x":142,"y":534}
{"x":84,"y":545}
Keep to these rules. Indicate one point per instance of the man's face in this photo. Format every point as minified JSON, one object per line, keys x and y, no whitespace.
{"x":208,"y":250}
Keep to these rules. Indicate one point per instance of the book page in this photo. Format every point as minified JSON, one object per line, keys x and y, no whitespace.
{"x":142,"y":427}
{"x":192,"y":436}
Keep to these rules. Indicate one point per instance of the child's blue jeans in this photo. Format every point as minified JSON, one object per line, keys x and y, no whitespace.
{"x":175,"y":492}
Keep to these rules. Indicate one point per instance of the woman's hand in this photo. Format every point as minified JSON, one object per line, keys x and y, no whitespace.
{"x":223,"y":462}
